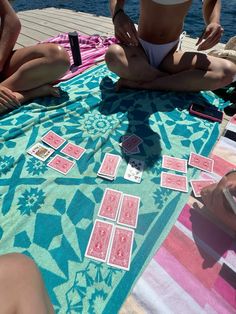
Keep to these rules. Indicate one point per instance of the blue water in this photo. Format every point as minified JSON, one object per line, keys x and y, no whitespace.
{"x":193,"y":24}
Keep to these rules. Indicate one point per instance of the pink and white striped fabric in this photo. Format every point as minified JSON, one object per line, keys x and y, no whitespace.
{"x":92,"y":49}
{"x":194,"y":271}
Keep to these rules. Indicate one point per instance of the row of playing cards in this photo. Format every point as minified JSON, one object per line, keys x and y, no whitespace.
{"x":111,"y":244}
{"x":124,"y":206}
{"x":130,"y":144}
{"x":59,"y":163}
{"x":195,"y":160}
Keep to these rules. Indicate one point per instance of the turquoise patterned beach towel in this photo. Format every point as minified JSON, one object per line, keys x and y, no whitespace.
{"x":49,"y":216}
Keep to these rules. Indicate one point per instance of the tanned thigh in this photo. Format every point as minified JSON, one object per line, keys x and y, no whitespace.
{"x":130,"y":62}
{"x":182,"y":61}
{"x":22,"y":56}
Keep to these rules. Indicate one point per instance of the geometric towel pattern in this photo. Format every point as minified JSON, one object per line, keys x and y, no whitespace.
{"x":49,"y":216}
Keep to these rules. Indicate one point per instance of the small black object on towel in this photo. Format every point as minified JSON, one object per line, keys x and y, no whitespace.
{"x":74,"y":44}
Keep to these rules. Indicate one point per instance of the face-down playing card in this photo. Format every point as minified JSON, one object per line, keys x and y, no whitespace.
{"x":110,"y":204}
{"x":52,"y":139}
{"x":99,"y":240}
{"x":121,"y":248}
{"x":109,"y":166}
{"x":201,"y":162}
{"x":198,"y":185}
{"x":174,"y":163}
{"x":61,"y":164}
{"x":174,"y":182}
{"x":128,"y":214}
{"x":73,"y":151}
{"x":131,"y":142}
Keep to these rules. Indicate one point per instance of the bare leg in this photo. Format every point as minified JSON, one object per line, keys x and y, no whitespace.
{"x":21,"y":287}
{"x":30,"y":70}
{"x":179,"y":71}
{"x":131,"y":63}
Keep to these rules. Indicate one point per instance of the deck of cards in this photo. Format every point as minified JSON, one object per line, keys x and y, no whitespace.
{"x":110,"y":242}
{"x":130,"y":144}
{"x":54,"y":142}
{"x":109,"y":167}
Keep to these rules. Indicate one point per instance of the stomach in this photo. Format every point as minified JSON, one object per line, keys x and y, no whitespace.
{"x":160,"y":24}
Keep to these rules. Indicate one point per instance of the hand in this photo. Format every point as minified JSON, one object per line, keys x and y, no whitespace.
{"x":215,"y":200}
{"x":125,"y":30}
{"x":7,"y":99}
{"x":210,"y":36}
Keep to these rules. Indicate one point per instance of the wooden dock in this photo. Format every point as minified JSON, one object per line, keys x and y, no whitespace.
{"x":38,"y":25}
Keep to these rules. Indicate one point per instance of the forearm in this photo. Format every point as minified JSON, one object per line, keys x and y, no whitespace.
{"x":115,"y":5}
{"x":10,"y":29}
{"x":211,"y":11}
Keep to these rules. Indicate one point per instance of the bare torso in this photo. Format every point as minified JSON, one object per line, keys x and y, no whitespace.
{"x":160,"y":24}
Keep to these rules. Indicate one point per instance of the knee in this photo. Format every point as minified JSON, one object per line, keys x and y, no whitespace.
{"x":16,"y":265}
{"x":58,"y":56}
{"x":227,"y":74}
{"x":114,"y":56}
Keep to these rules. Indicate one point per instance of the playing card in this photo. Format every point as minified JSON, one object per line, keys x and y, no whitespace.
{"x":201,"y":162}
{"x":110,"y":204}
{"x":131,"y":142}
{"x":61,"y":164}
{"x":198,"y":185}
{"x":129,"y":209}
{"x":40,"y":151}
{"x":99,"y":240}
{"x":174,"y":163}
{"x":135,"y":150}
{"x":134,"y":170}
{"x":52,"y":139}
{"x":73,"y":151}
{"x":109,"y":166}
{"x":121,"y":248}
{"x":174,"y":182}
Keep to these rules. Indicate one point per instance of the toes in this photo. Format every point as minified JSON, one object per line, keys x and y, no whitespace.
{"x":56,"y":92}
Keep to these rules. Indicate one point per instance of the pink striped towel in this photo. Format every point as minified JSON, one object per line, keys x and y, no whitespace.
{"x":92,"y":49}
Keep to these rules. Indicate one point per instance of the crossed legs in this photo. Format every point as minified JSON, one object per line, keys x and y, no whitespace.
{"x":30,"y":71}
{"x":179,"y":71}
{"x":21,"y":287}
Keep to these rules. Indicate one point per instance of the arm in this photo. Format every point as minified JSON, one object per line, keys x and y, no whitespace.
{"x":211,"y":11}
{"x":116,"y":5}
{"x":125,"y":30}
{"x":213,"y":31}
{"x":10,"y":29}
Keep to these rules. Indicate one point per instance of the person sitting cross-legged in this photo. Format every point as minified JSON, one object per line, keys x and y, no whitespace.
{"x":148,"y":58}
{"x":28,"y":72}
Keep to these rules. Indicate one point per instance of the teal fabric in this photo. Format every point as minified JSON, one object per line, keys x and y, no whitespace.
{"x":49,"y":216}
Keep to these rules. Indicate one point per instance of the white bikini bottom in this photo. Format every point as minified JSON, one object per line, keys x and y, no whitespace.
{"x":156,"y":52}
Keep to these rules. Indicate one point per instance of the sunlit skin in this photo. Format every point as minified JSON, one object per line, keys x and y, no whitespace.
{"x":178,"y":71}
{"x":28,"y":72}
{"x":215,"y":200}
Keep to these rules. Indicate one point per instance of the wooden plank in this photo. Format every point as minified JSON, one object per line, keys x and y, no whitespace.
{"x":37,"y":27}
{"x":71,"y":24}
{"x":55,"y":28}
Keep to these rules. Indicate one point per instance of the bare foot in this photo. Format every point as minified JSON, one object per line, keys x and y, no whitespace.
{"x":123,"y":83}
{"x":44,"y":90}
